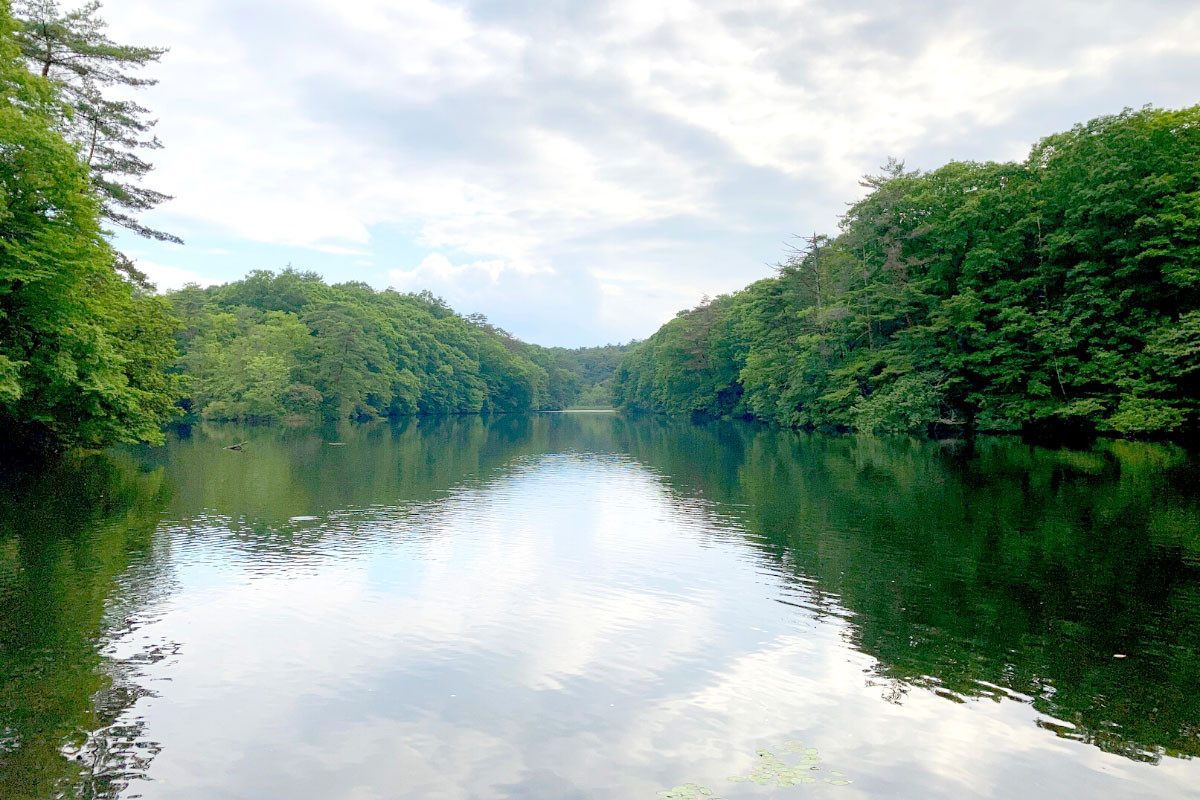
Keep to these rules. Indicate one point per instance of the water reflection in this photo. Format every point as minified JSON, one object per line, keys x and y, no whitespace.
{"x":593,"y":606}
{"x":79,"y":570}
{"x":1068,"y":577}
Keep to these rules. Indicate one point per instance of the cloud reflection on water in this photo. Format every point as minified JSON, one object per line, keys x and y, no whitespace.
{"x":567,"y":627}
{"x":603,"y":608}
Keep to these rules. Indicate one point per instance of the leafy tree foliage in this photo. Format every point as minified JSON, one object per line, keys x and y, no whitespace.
{"x":1061,"y":292}
{"x":277,"y":345}
{"x":580,"y":377}
{"x":83,"y":352}
{"x":72,"y":49}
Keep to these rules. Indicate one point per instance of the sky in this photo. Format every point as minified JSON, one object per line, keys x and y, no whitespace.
{"x":580,"y":171}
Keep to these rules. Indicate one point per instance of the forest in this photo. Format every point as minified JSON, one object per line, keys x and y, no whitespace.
{"x":91,"y":355}
{"x":1061,"y":293}
{"x":278,"y":345}
{"x":85,"y":345}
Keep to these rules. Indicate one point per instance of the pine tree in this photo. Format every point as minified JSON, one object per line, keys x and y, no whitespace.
{"x":73,"y":50}
{"x":83,"y":352}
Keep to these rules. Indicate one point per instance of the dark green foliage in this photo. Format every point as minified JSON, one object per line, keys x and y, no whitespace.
{"x":581,"y":377}
{"x":275,"y":345}
{"x":1058,"y":293}
{"x":83,"y":352}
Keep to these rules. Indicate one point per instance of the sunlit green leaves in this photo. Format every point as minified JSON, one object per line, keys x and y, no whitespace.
{"x":286,"y":344}
{"x":83,"y":352}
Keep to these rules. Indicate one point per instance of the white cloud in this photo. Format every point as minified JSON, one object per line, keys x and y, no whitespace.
{"x":166,"y":277}
{"x":574,"y":308}
{"x":436,"y":269}
{"x":567,"y":142}
{"x":339,"y":250}
{"x":455,"y":649}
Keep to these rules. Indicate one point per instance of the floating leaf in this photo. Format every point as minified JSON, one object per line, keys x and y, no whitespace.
{"x":770,"y":769}
{"x":687,"y":791}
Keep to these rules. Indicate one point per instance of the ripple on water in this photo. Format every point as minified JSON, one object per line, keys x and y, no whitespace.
{"x":602,"y":607}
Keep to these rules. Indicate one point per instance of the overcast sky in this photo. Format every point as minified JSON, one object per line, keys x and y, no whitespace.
{"x":580,"y":171}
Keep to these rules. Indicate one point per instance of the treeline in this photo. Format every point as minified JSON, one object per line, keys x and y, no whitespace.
{"x":287,"y":344}
{"x":593,"y":369}
{"x":1062,"y":292}
{"x":90,"y":356}
{"x":84,"y":346}
{"x":1057,"y":292}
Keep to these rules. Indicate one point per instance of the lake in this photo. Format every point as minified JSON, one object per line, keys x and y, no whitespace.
{"x":595,"y":606}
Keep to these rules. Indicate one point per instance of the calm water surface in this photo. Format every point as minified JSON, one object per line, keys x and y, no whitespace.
{"x":589,"y":606}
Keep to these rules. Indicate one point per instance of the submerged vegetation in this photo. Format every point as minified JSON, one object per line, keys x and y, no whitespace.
{"x":1059,"y":292}
{"x":275,"y":345}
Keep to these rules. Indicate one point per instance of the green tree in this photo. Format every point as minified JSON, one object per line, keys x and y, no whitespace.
{"x":1053,"y":294}
{"x":83,"y":352}
{"x":287,"y":343}
{"x":72,"y":49}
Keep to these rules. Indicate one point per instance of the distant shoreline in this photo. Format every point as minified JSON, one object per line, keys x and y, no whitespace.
{"x":580,"y":411}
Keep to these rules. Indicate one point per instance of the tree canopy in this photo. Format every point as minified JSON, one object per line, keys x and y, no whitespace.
{"x":275,"y":345}
{"x":71,"y":49}
{"x":1062,"y":292}
{"x":83,"y":352}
